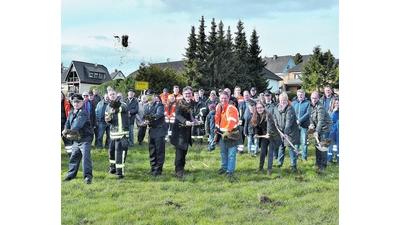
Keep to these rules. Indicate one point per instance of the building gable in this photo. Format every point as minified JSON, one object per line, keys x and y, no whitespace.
{"x":279,"y":64}
{"x":89,"y":73}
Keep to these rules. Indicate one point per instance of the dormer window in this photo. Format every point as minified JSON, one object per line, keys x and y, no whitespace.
{"x":97,"y":75}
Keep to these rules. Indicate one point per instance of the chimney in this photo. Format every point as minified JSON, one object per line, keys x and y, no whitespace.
{"x":274,"y":57}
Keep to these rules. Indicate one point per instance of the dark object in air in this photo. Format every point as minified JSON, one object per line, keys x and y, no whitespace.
{"x":125,"y":40}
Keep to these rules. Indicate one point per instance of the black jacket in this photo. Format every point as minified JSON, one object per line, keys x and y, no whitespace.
{"x":181,"y":136}
{"x":133,"y":108}
{"x":157,"y":126}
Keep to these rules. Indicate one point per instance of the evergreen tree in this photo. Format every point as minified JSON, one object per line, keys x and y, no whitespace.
{"x":240,"y":73}
{"x":201,"y":53}
{"x":256,"y":64}
{"x":191,"y":71}
{"x":321,"y":69}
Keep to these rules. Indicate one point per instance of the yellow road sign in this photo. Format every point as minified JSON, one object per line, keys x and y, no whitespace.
{"x":141,"y":85}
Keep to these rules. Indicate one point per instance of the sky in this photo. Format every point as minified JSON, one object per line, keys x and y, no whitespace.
{"x":158,"y":30}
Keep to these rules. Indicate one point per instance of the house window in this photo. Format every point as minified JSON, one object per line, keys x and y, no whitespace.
{"x":97,"y":75}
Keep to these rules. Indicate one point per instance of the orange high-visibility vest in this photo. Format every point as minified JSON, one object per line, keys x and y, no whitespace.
{"x":177,"y":98}
{"x":169,"y":113}
{"x":164,"y":96}
{"x":226,"y":119}
{"x":240,"y":99}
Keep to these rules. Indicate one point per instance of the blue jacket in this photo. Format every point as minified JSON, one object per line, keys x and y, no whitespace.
{"x":302,"y":110}
{"x":210,"y":122}
{"x":335,"y":120}
{"x":101,"y":110}
{"x":80,"y":121}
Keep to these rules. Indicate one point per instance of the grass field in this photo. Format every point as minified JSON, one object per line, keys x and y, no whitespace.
{"x":202,"y":196}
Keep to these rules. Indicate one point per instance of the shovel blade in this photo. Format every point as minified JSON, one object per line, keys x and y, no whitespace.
{"x":321,"y":148}
{"x":298,"y":151}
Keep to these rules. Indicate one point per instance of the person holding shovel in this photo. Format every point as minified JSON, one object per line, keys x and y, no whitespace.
{"x":267,"y":133}
{"x":321,"y":122}
{"x":285,"y":120}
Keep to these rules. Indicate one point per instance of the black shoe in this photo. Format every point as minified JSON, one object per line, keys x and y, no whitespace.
{"x":294,"y":169}
{"x":229,"y":174}
{"x":68,"y":178}
{"x":120,"y":176}
{"x":320,"y":169}
{"x":259,"y":170}
{"x":111,"y":171}
{"x":221,"y":171}
{"x":279,"y":166}
{"x":179,"y":173}
{"x":156,"y":174}
{"x":140,"y":143}
{"x":88,"y":181}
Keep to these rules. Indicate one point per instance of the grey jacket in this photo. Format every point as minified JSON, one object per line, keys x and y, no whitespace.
{"x":320,"y":118}
{"x":286,"y":121}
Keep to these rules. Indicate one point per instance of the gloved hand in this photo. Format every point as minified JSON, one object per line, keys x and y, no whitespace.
{"x":216,"y":131}
{"x":225,"y":134}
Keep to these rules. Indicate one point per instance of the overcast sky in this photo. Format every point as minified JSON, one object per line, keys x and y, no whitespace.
{"x":158,"y":29}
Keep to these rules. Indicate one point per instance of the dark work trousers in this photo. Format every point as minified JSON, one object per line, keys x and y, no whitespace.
{"x":264,"y":143}
{"x":321,"y":158}
{"x":157,"y":154}
{"x":141,"y":133}
{"x":117,"y":156}
{"x":180,"y":159}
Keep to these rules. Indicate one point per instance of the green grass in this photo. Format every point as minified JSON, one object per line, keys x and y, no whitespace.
{"x":201,"y":196}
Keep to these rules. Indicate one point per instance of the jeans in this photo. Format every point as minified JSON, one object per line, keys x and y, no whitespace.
{"x":334,"y":135}
{"x":131,"y":135}
{"x":211,"y":143}
{"x":281,"y":155}
{"x":102,"y":128}
{"x":303,"y":142}
{"x":321,"y":157}
{"x":228,"y":156}
{"x":252,"y":144}
{"x":80,"y":151}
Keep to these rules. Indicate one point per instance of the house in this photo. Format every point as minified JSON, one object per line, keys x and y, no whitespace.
{"x":274,"y":80}
{"x":179,"y":66}
{"x":292,"y":81}
{"x":80,"y":76}
{"x":117,"y":74}
{"x":280,"y":65}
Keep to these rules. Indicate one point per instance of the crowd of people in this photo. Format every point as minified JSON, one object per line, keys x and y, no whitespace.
{"x":260,"y":124}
